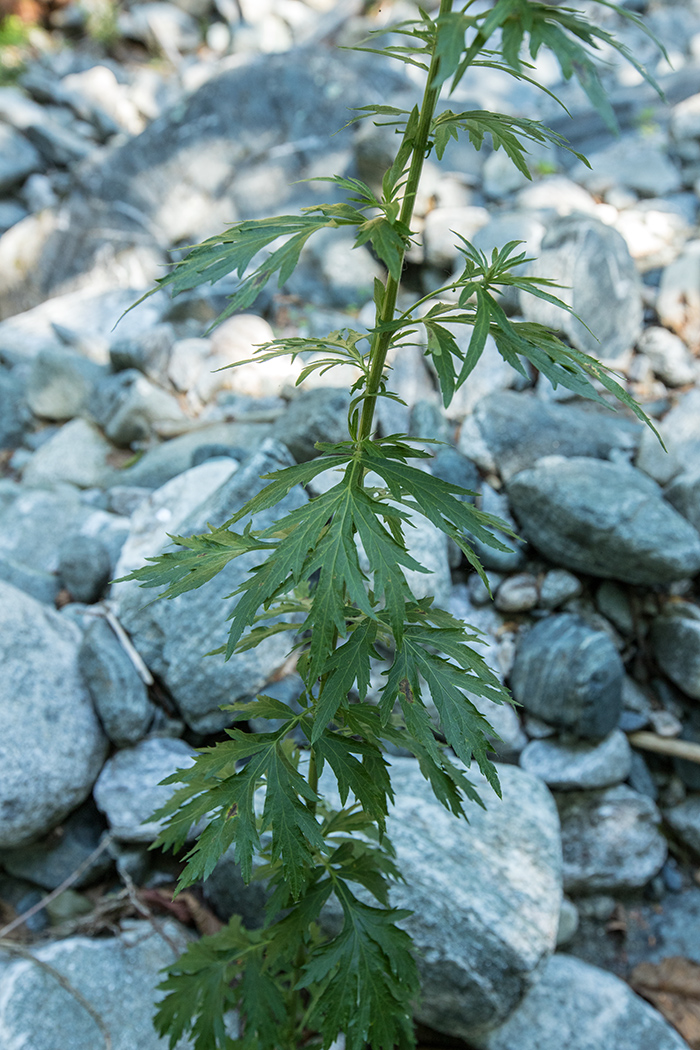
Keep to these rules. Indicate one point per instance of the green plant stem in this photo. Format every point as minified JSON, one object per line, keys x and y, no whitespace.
{"x":382,"y":340}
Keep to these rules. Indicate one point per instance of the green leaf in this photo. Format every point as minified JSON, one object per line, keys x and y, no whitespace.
{"x":349,"y":664}
{"x":367,"y":780}
{"x":389,"y":240}
{"x":295,"y":830}
{"x":283,"y":481}
{"x":367,"y":978}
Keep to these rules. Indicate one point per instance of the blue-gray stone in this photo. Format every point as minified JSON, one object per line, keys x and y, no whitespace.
{"x":569,"y":675}
{"x":604,"y":519}
{"x":120,"y":696}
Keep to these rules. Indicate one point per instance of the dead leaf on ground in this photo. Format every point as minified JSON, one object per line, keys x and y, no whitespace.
{"x":673,"y":987}
{"x":186,"y":908}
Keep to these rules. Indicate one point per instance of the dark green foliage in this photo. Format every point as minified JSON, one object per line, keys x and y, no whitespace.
{"x":333,"y":574}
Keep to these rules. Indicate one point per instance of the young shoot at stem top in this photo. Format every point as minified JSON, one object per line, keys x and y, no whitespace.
{"x":331,"y":571}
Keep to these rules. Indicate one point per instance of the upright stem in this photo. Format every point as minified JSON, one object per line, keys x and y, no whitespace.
{"x":382,"y":340}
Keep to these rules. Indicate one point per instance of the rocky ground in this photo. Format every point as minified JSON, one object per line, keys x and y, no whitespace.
{"x":129,"y":131}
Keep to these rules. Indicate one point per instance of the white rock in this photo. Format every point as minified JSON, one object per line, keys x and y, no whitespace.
{"x":77,"y":454}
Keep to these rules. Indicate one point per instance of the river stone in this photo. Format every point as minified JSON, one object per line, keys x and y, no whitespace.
{"x":569,"y":675}
{"x":606,"y":519}
{"x":579,"y":1007}
{"x":678,"y":301}
{"x":84,"y":567}
{"x":78,"y":454}
{"x":600,"y":284}
{"x":519,"y":429}
{"x":51,"y":861}
{"x":316,"y":415}
{"x":129,"y":789}
{"x":566,"y":766}
{"x":14,"y":417}
{"x":60,"y":384}
{"x":680,"y":431}
{"x":683,"y":493}
{"x":52,"y":746}
{"x":485,"y":896}
{"x":18,"y":158}
{"x":668,"y":355}
{"x":635,"y":163}
{"x":117,"y":975}
{"x":611,"y":840}
{"x":120,"y":696}
{"x":685,"y":821}
{"x":130,"y":408}
{"x":200,"y":686}
{"x":675,"y":638}
{"x":25,"y":538}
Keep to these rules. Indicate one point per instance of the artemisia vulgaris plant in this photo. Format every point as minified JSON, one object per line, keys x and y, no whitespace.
{"x":292,"y":984}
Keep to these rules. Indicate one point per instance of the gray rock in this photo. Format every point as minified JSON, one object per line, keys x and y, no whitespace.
{"x":611,"y":840}
{"x":84,"y":567}
{"x":632,"y":163}
{"x":601,"y":285}
{"x":605,"y":519}
{"x":11,"y":212}
{"x":668,"y":355}
{"x":129,"y":789}
{"x":491,"y":373}
{"x":162,"y":26}
{"x":163,"y":462}
{"x":109,"y":972}
{"x":569,"y":676}
{"x":200,"y":686}
{"x":77,"y":454}
{"x":52,"y":746}
{"x":19,"y":158}
{"x":14,"y":418}
{"x":612,"y":601}
{"x":568,"y":922}
{"x":683,"y":493}
{"x":517,"y":593}
{"x":685,"y":821}
{"x":442,"y":225}
{"x":25,"y":539}
{"x":680,"y":432}
{"x":130,"y":408}
{"x":317,"y":415}
{"x":120,"y":696}
{"x":556,"y":193}
{"x":162,"y":513}
{"x":485,"y":896}
{"x":227,"y":893}
{"x":566,"y":766}
{"x":43,"y":586}
{"x":148,"y":351}
{"x":675,"y":637}
{"x":558,"y":587}
{"x":61,"y":383}
{"x":496,"y":503}
{"x":59,"y":144}
{"x":519,"y":429}
{"x":581,"y":1007}
{"x":50,"y":862}
{"x":678,"y":301}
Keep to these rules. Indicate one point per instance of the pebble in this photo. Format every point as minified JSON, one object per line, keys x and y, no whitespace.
{"x":675,"y":638}
{"x":84,"y":567}
{"x":517,"y":593}
{"x":684,"y":819}
{"x":557,"y":588}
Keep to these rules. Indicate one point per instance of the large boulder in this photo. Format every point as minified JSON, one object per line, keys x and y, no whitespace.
{"x":52,"y":746}
{"x":605,"y":519}
{"x":484,"y":896}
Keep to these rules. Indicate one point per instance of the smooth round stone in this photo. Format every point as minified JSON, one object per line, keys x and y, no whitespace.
{"x":569,"y":675}
{"x":517,"y":593}
{"x":611,"y":840}
{"x":558,"y":586}
{"x":579,"y":765}
{"x":685,"y":821}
